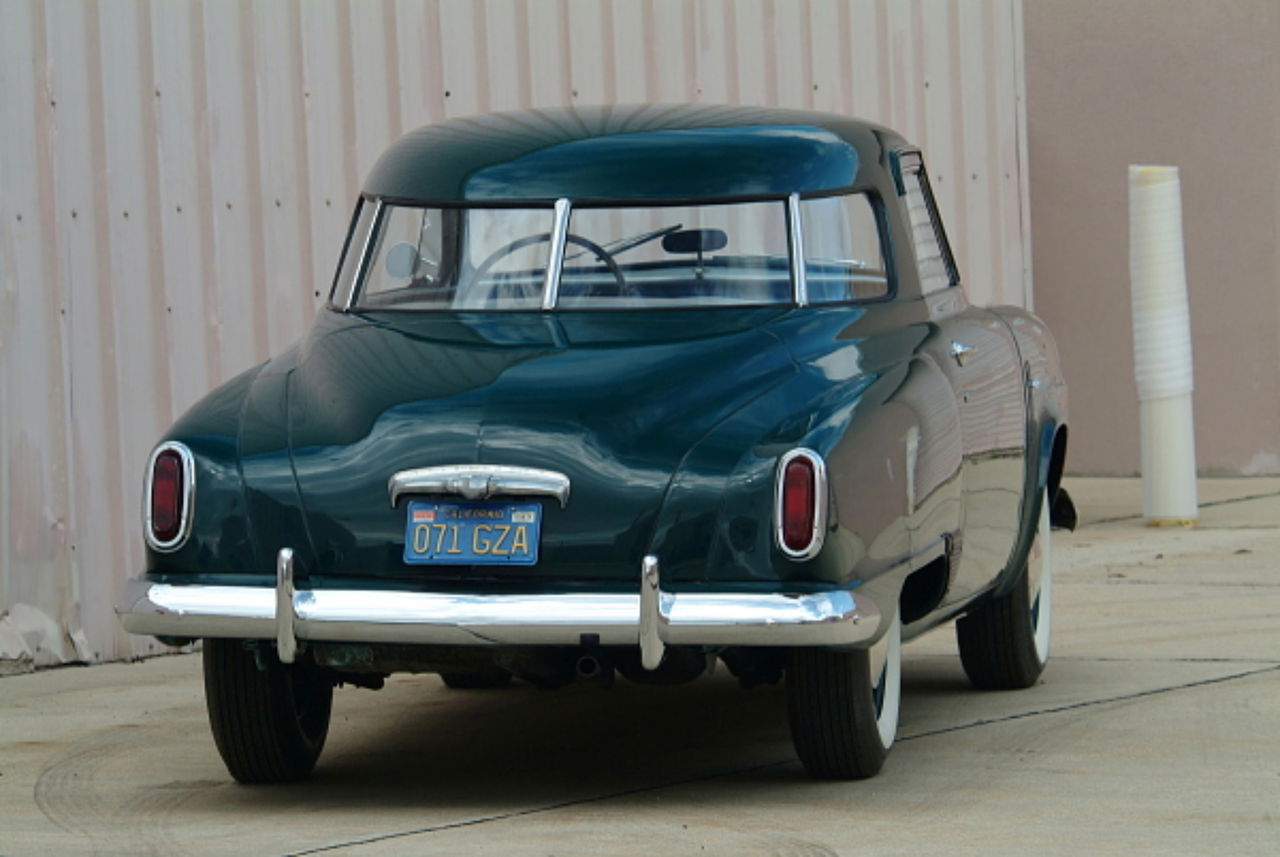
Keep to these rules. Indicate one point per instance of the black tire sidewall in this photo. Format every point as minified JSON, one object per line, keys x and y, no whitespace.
{"x":269,"y":724}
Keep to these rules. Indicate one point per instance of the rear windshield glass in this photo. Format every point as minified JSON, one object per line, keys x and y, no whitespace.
{"x":496,"y":258}
{"x":673,"y":256}
{"x":615,"y":257}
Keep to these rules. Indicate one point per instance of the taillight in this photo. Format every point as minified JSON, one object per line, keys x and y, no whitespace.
{"x":801,"y":503}
{"x":168,"y":494}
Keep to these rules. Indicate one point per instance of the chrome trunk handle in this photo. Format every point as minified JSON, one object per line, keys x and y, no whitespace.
{"x":480,"y":482}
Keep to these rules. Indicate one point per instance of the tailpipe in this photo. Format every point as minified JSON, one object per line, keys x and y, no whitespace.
{"x":592,"y":668}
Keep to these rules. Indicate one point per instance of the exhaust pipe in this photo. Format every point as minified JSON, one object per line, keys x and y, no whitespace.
{"x":592,"y":669}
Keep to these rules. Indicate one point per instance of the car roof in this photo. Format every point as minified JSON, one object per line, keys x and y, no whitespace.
{"x":632,"y":152}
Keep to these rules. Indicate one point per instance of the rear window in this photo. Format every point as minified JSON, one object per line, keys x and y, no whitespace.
{"x":614,"y":257}
{"x":843,"y":253}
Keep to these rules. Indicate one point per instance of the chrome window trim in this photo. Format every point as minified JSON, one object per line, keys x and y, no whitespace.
{"x":795,"y":239}
{"x":910,"y":162}
{"x":188,"y":497}
{"x":818,"y":537}
{"x":374,"y":222}
{"x":346,"y":249}
{"x":555,"y":262}
{"x":479,"y":482}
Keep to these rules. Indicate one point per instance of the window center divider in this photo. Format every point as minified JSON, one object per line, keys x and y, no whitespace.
{"x":559,"y":231}
{"x":798,"y":281}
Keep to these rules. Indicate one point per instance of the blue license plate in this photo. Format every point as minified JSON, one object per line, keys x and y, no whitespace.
{"x":472,"y":533}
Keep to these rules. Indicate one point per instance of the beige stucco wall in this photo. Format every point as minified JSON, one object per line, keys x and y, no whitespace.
{"x":1192,"y":83}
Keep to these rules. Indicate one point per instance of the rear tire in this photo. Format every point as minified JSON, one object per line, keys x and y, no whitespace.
{"x":843,"y":707}
{"x":269,"y":724}
{"x":1004,"y":644}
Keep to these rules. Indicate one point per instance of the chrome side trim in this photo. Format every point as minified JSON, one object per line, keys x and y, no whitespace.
{"x":651,"y":646}
{"x":833,"y":618}
{"x":286,"y":638}
{"x":188,"y":497}
{"x":796,"y":239}
{"x":820,"y":502}
{"x":479,"y":482}
{"x":555,"y":262}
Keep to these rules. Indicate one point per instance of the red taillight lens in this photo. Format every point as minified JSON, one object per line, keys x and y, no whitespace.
{"x":166,"y":496}
{"x":798,"y":506}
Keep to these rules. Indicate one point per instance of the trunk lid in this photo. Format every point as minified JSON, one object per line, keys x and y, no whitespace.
{"x":614,"y":401}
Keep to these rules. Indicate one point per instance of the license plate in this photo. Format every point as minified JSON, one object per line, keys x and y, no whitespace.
{"x":472,"y":533}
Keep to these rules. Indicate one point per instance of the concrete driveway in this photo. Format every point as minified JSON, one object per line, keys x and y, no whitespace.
{"x":1156,"y":730}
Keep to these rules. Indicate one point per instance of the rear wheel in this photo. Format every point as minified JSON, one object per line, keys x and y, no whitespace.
{"x":844,"y":706}
{"x":1004,"y":644}
{"x":269,"y":719}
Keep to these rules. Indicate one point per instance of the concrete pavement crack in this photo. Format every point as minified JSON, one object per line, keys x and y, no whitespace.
{"x":1116,"y":581}
{"x":534,"y":810}
{"x":1203,"y":505}
{"x":552,"y":807}
{"x":1104,"y":660}
{"x":1089,"y":703}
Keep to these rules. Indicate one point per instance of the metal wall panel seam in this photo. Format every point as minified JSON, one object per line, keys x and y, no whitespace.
{"x":155,"y":298}
{"x":630,"y":75}
{"x":372,"y":115}
{"x":34,"y":568}
{"x":325,"y":127}
{"x":309,"y":287}
{"x":608,"y":59}
{"x":692,"y":75}
{"x":1018,"y":35}
{"x":999,"y":166}
{"x":1007,"y":141}
{"x":882,"y":46}
{"x":347,"y":83}
{"x":248,"y":108}
{"x":138,"y":306}
{"x":972,"y":118}
{"x":205,"y":201}
{"x":827,"y":57}
{"x":753,"y":62}
{"x":182,"y":263}
{"x":524,"y":79}
{"x":225,"y":151}
{"x":947,"y":82}
{"x":53,"y":273}
{"x":504,"y":42}
{"x":99,"y":495}
{"x":275,"y":148}
{"x":395,"y":118}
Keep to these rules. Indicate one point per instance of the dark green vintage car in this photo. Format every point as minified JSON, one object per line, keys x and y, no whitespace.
{"x":620,"y":390}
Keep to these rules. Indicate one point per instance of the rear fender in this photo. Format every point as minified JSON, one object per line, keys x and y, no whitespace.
{"x":1046,"y":394}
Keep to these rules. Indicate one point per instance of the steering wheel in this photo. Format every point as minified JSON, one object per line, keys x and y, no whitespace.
{"x":520,"y":243}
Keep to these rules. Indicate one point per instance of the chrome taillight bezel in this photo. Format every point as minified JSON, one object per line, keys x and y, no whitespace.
{"x":187,"y":511}
{"x":819,"y":531}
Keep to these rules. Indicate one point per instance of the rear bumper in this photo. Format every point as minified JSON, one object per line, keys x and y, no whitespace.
{"x":650,"y":618}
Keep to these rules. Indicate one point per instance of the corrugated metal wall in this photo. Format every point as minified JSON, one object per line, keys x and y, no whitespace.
{"x":176,"y":178}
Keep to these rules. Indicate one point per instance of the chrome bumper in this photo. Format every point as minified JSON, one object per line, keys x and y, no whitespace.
{"x":650,"y":618}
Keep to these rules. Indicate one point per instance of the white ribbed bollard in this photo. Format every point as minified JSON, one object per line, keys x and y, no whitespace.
{"x":1162,"y":346}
